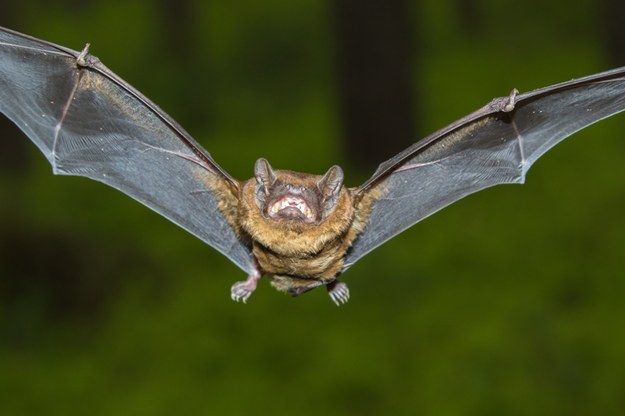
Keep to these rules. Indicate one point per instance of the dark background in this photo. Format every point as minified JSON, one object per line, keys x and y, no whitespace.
{"x":509,"y":302}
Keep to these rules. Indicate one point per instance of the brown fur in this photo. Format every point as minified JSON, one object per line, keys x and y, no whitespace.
{"x":296,"y":254}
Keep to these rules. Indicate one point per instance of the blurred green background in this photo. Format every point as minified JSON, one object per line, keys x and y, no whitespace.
{"x":506,"y":303}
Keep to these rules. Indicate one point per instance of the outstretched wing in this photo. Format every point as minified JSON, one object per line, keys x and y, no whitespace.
{"x":89,"y":122}
{"x":494,"y":145}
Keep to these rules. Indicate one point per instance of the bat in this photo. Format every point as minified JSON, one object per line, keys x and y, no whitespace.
{"x":300,"y":230}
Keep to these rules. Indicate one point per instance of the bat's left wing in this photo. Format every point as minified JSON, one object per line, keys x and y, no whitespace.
{"x":496,"y":144}
{"x":89,"y":122}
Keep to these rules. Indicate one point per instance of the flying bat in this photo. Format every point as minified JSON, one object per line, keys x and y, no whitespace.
{"x":300,"y":230}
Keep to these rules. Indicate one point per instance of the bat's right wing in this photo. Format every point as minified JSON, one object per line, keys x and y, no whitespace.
{"x":89,"y":122}
{"x":497,"y":144}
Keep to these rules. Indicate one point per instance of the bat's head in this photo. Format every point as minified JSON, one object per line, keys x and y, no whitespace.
{"x":293,"y":196}
{"x":291,"y":212}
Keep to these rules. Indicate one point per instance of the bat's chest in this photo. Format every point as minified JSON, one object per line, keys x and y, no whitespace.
{"x":320,"y":266}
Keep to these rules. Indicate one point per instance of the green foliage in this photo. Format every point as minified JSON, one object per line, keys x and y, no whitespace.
{"x":506,"y":303}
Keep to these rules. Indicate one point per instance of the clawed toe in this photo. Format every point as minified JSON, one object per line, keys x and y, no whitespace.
{"x":339,"y":293}
{"x":241,"y":291}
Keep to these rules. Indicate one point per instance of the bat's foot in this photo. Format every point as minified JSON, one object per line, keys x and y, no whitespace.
{"x":339,"y":292}
{"x":241,"y":291}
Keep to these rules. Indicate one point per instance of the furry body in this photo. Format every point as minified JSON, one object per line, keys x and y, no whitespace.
{"x":296,"y":255}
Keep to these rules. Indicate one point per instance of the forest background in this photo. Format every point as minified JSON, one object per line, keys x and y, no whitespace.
{"x":509,"y":302}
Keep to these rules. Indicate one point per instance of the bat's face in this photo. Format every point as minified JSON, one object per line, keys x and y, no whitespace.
{"x":283,"y":203}
{"x":292,"y":198}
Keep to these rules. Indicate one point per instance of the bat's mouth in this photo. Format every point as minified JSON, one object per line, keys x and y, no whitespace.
{"x":291,"y":207}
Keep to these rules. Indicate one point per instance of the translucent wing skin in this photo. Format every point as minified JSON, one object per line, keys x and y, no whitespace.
{"x":88,"y":122}
{"x":496,"y":144}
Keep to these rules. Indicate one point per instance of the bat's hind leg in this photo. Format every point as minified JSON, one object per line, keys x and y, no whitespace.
{"x":338,"y":291}
{"x":241,"y":291}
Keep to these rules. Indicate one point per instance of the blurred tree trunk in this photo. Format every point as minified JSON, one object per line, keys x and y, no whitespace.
{"x":613,"y":12}
{"x":177,"y":31}
{"x":375,"y":74}
{"x":178,"y":37}
{"x":469,"y":15}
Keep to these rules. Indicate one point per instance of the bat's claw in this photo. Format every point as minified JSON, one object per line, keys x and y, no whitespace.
{"x":241,"y":291}
{"x":339,"y":292}
{"x":511,"y":101}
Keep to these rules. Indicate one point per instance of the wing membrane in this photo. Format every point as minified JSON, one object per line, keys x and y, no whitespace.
{"x":88,"y":122}
{"x":489,"y":147}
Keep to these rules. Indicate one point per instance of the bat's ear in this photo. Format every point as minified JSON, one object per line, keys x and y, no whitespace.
{"x":264,"y":174}
{"x":264,"y":179}
{"x":330,"y":187}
